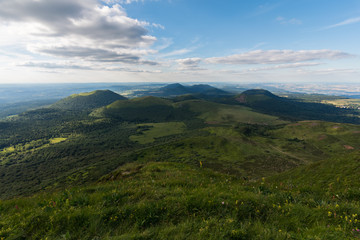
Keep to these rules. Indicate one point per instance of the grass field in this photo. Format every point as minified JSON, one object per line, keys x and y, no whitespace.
{"x":176,"y":201}
{"x":156,"y":130}
{"x":349,"y":103}
{"x":229,"y":114}
{"x":56,"y":140}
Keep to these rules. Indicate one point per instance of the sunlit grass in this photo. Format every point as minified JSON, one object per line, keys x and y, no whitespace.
{"x":176,"y":201}
{"x":157,"y":130}
{"x":57,"y":140}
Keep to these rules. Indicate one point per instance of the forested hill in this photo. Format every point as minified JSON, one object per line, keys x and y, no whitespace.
{"x":90,"y":100}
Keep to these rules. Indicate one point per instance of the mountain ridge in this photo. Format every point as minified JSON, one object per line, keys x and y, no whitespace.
{"x":88,"y":100}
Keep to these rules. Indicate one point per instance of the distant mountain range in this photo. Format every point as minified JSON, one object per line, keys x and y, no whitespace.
{"x":177,"y":89}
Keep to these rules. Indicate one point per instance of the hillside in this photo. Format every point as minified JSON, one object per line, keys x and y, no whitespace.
{"x":177,"y":89}
{"x":89,"y":100}
{"x":179,"y":168}
{"x":174,"y":201}
{"x":174,"y":89}
{"x":266,"y":102}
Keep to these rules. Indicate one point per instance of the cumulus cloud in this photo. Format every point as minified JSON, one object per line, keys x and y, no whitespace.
{"x":50,"y":65}
{"x":278,"y":57}
{"x":122,"y":1}
{"x":79,"y":29}
{"x":284,"y":66}
{"x":177,"y":52}
{"x":189,"y":64}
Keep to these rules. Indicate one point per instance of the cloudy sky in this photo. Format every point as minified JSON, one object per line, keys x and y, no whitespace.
{"x":179,"y":41}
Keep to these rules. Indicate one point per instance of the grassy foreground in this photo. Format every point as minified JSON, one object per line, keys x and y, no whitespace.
{"x":175,"y":201}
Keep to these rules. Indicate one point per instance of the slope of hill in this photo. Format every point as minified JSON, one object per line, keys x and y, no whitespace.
{"x":20,"y":107}
{"x":174,"y":89}
{"x":177,"y":89}
{"x":144,"y":109}
{"x":175,"y":201}
{"x":265,"y":101}
{"x":206,"y":89}
{"x":86,"y":101}
{"x":183,"y":168}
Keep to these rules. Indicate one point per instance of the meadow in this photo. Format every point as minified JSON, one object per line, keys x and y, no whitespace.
{"x":181,"y":168}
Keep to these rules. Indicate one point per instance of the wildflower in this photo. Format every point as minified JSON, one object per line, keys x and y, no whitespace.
{"x":200,"y":163}
{"x":337,"y":205}
{"x":222,"y":203}
{"x":329,"y":214}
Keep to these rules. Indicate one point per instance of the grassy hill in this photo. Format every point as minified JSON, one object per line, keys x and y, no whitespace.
{"x":266,"y":102}
{"x":176,"y":89}
{"x":176,"y":201}
{"x":86,"y":101}
{"x":144,"y":109}
{"x":182,"y":168}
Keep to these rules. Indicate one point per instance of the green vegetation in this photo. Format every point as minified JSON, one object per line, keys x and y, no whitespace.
{"x":56,"y":140}
{"x":289,"y":109}
{"x":181,"y":168}
{"x":344,"y":103}
{"x":221,"y":113}
{"x":147,"y":133}
{"x":175,"y":201}
{"x":86,"y":101}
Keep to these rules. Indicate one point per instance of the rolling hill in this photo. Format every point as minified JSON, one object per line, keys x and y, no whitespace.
{"x":86,"y":101}
{"x":176,"y":89}
{"x":179,"y":168}
{"x":266,"y":102}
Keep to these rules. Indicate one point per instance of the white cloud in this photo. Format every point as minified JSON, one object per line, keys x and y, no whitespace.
{"x":189,"y":64}
{"x":285,"y":21}
{"x":76,"y":29}
{"x":52,"y":65}
{"x":278,"y":57}
{"x":177,"y":52}
{"x":284,"y":66}
{"x":346,"y":22}
{"x":157,"y":25}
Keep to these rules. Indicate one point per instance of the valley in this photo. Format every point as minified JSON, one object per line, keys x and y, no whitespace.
{"x":184,"y":163}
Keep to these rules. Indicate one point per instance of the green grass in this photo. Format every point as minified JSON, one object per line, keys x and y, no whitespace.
{"x":57,"y":140}
{"x":8,"y":149}
{"x":350,"y":103}
{"x":156,"y":130}
{"x":176,"y":177}
{"x":215,"y":113}
{"x":82,"y":94}
{"x":175,"y":201}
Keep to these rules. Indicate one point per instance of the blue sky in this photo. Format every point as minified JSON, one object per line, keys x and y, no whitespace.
{"x":179,"y":41}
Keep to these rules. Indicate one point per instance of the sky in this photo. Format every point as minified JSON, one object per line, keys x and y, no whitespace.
{"x":242,"y":41}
